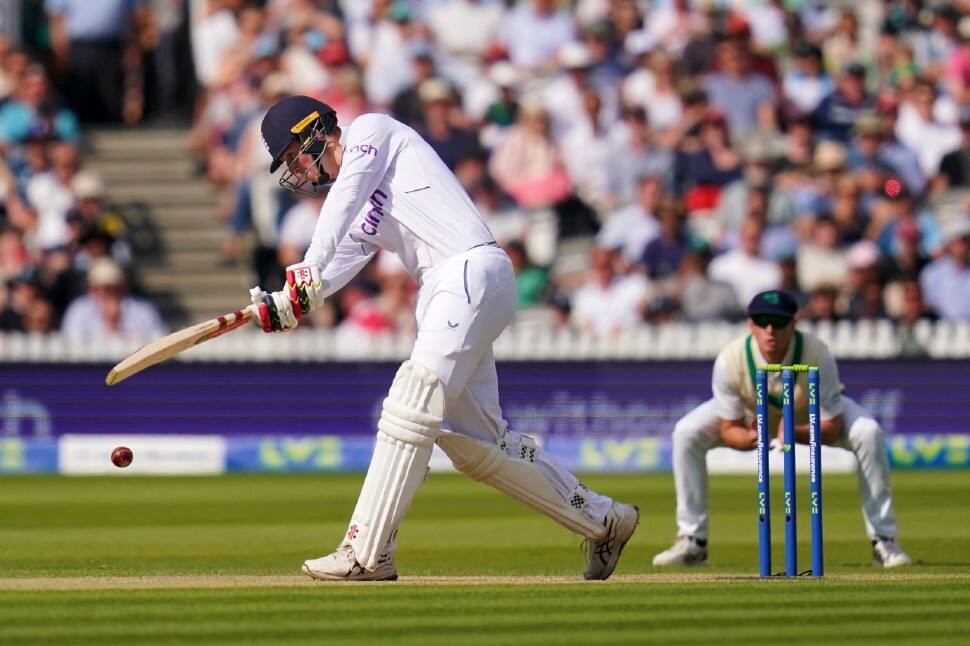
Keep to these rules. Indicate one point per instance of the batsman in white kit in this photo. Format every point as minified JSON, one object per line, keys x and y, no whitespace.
{"x":728,"y":420}
{"x":389,"y":190}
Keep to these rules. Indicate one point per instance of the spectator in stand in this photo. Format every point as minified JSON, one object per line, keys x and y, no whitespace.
{"x":874,"y":144}
{"x":745,"y":269}
{"x":39,"y":317}
{"x":919,"y":128}
{"x":634,"y":154}
{"x":663,"y":256}
{"x":386,"y":55}
{"x":13,"y":67}
{"x":814,"y":193}
{"x":608,"y":302}
{"x":465,"y":31}
{"x":34,"y":112}
{"x":840,"y":110}
{"x":14,"y":257}
{"x":23,"y":293}
{"x":107,"y":313}
{"x":760,"y":157}
{"x":668,"y":27}
{"x":797,"y":150}
{"x":95,"y":44}
{"x":407,"y":106}
{"x":863,"y":290}
{"x":906,"y":262}
{"x":531,"y":281}
{"x":955,"y":166}
{"x":631,"y":228}
{"x":451,"y":141}
{"x":215,"y":31}
{"x":908,"y":311}
{"x":586,"y":153}
{"x":390,"y":311}
{"x":566,"y":96}
{"x":652,"y":88}
{"x":842,"y":46}
{"x":788,"y":266}
{"x":746,"y":98}
{"x":933,"y":47}
{"x":847,"y":213}
{"x":501,"y":106}
{"x":527,"y":163}
{"x":806,"y":84}
{"x":705,"y":164}
{"x":91,"y":214}
{"x":769,"y":31}
{"x":822,"y":261}
{"x":823,"y":305}
{"x":50,"y":195}
{"x":958,"y":65}
{"x":533,"y":33}
{"x":702,"y":298}
{"x":946,"y":281}
{"x":296,"y":229}
{"x":898,"y":208}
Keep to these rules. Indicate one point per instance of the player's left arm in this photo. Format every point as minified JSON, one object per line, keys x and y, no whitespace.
{"x":366,"y":158}
{"x":365,"y":161}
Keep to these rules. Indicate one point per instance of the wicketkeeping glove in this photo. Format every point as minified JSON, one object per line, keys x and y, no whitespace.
{"x":281,"y":311}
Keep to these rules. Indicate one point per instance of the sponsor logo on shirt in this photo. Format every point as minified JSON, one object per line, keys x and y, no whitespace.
{"x":376,"y":213}
{"x":363,"y":149}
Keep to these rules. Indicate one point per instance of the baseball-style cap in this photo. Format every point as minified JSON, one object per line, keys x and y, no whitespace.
{"x":773,"y":302}
{"x":285,"y":121}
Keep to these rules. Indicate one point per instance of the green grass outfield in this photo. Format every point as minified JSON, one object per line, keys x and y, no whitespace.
{"x":147,"y":560}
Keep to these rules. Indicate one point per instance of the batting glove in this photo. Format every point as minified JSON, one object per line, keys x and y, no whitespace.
{"x":281,"y":311}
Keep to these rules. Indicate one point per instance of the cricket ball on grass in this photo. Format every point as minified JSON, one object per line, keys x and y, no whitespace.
{"x":122,"y":457}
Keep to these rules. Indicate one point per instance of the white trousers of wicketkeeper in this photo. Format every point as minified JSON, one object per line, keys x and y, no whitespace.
{"x":699,"y":431}
{"x":464,"y":303}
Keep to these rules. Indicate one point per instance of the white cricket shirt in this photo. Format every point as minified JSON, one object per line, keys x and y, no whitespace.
{"x":392,"y":192}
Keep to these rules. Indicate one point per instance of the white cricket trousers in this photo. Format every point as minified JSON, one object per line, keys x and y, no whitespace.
{"x":463,"y":305}
{"x":699,"y":431}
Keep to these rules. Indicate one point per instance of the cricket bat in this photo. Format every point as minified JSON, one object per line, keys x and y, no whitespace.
{"x":168,"y":346}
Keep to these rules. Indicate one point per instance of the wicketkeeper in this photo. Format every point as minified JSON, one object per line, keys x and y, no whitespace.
{"x":389,"y":190}
{"x":728,"y":420}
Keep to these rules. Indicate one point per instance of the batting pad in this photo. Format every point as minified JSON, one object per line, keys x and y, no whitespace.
{"x":409,"y":425}
{"x":511,"y":469}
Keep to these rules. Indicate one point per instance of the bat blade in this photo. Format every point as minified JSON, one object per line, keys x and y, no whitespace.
{"x":168,"y":346}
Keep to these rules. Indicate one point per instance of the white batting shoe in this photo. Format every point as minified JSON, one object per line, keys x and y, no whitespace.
{"x":602,"y":556}
{"x":686,"y":550}
{"x":886,"y":552}
{"x":342,"y":565}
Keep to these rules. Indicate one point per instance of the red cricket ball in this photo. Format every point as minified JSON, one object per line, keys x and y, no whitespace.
{"x":122,"y":456}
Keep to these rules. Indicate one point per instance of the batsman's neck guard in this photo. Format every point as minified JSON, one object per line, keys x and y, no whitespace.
{"x":313,"y":142}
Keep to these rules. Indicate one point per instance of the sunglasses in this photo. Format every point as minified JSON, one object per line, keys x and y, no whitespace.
{"x":764,"y":320}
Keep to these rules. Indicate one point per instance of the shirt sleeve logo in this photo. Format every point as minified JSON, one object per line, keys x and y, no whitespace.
{"x":363,"y":149}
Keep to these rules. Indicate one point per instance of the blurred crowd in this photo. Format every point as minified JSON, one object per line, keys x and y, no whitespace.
{"x":64,"y":252}
{"x":639,"y":160}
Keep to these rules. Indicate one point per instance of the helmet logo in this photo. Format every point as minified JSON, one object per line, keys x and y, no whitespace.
{"x":301,"y":125}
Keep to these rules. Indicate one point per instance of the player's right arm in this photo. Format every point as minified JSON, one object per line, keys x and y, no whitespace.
{"x":730,"y":410}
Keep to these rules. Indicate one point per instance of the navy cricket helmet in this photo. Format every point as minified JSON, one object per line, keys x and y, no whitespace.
{"x":307,"y":121}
